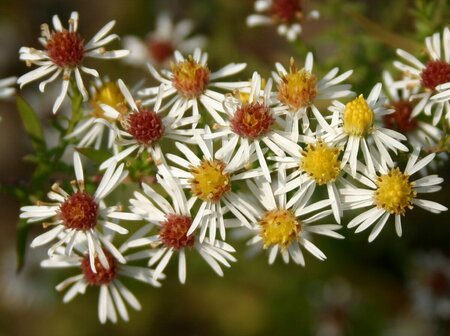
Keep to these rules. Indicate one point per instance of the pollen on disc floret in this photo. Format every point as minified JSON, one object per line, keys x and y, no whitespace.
{"x":174,"y":230}
{"x":279,"y":227}
{"x":395,"y":192}
{"x":65,"y":48}
{"x":358,"y":117}
{"x":252,"y":120}
{"x":108,"y":94}
{"x":146,"y":126}
{"x":298,"y":88}
{"x":321,"y":162}
{"x":435,"y":73}
{"x":190,"y":78}
{"x":210,"y":180}
{"x":104,"y":276}
{"x":79,"y":211}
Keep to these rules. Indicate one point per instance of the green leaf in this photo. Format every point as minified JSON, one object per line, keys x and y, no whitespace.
{"x":31,"y":158}
{"x":32,"y":125}
{"x":21,"y":243}
{"x":96,"y":155}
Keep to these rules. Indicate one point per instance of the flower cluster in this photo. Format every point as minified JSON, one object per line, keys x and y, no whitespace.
{"x":248,"y":155}
{"x":287,"y":15}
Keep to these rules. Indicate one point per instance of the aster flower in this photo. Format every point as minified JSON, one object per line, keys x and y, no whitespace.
{"x":430,"y":285}
{"x":145,"y":128}
{"x":317,"y":165}
{"x":91,"y":130}
{"x":287,"y":15}
{"x":299,"y":91}
{"x":391,"y":192}
{"x":159,"y":45}
{"x":173,"y":219}
{"x":7,"y":87}
{"x":285,"y":224}
{"x":418,"y":132}
{"x":63,"y":56}
{"x":112,"y":292}
{"x":81,"y":215}
{"x":252,"y":123}
{"x":190,"y":83}
{"x":211,"y":183}
{"x":356,"y":126}
{"x":433,"y":78}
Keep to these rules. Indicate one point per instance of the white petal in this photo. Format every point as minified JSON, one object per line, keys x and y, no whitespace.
{"x":182,"y":266}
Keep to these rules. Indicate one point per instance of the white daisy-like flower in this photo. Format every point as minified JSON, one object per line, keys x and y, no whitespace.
{"x":418,"y":132}
{"x":211,"y":184}
{"x":252,"y":123}
{"x":356,"y":126}
{"x":145,"y":128}
{"x":91,"y":130}
{"x":64,"y":54}
{"x":433,"y":78}
{"x":430,"y":285}
{"x":316,"y":165}
{"x":113,"y":294}
{"x":159,"y":45}
{"x":391,"y":192}
{"x":7,"y":87}
{"x":299,"y":91}
{"x":284,"y":225}
{"x":190,"y":83}
{"x":173,"y":220}
{"x":287,"y":15}
{"x":81,"y":215}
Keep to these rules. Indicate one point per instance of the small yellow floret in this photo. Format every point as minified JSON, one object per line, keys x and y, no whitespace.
{"x":298,"y":88}
{"x":108,"y":94}
{"x":395,"y":193}
{"x":210,"y":182}
{"x":279,"y":227}
{"x":358,"y":117}
{"x":321,"y":162}
{"x":244,"y":97}
{"x":190,"y":78}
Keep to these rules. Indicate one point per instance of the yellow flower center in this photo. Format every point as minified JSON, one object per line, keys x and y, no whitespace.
{"x":210,"y":182}
{"x":109,"y":94}
{"x":244,"y":97}
{"x":298,"y":88}
{"x":358,"y":117}
{"x":279,"y":227}
{"x":395,"y":193}
{"x":190,"y":78}
{"x":321,"y":162}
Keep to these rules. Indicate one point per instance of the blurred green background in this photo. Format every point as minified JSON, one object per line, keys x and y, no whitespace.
{"x":362,"y":289}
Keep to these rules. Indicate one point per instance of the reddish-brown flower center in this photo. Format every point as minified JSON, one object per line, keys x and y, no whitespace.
{"x":104,"y":275}
{"x":401,"y":120}
{"x":66,"y":49}
{"x":79,"y":211}
{"x":252,"y":120}
{"x":145,"y":126}
{"x":173,"y":231}
{"x":160,"y":50}
{"x":435,"y":73}
{"x":286,"y":10}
